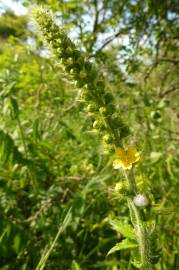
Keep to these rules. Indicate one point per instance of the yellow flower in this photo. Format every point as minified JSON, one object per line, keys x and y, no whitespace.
{"x":125,"y":158}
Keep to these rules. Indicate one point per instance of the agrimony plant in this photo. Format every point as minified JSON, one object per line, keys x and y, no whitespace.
{"x":108,"y":122}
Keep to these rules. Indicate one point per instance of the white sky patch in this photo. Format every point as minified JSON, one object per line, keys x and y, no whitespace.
{"x":17,"y":7}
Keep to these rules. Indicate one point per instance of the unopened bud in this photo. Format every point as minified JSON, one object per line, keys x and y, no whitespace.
{"x":98,"y":124}
{"x":141,"y":200}
{"x":92,"y":108}
{"x":108,"y":139}
{"x":121,"y":188}
{"x":103,"y":111}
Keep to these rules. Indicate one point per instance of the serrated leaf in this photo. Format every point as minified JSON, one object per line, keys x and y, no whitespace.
{"x":124,"y":228}
{"x":125,"y":244}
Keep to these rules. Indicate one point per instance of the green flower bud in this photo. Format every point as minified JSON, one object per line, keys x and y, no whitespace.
{"x":86,"y":87}
{"x":76,"y":69}
{"x":51,"y":43}
{"x":103,"y":111}
{"x":89,"y":86}
{"x":98,"y":124}
{"x":106,"y":111}
{"x":59,"y":42}
{"x":60,"y":52}
{"x":155,"y":114}
{"x":108,"y":139}
{"x":86,"y":95}
{"x":70,"y":61}
{"x":122,"y":188}
{"x":73,"y":71}
{"x":69,"y":51}
{"x":108,"y":148}
{"x":92,"y":108}
{"x":50,"y":37}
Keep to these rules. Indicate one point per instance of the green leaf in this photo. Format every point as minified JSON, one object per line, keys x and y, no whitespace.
{"x":15,"y":107}
{"x":8,"y":150}
{"x":66,"y":222}
{"x":123,"y":228}
{"x":155,"y":156}
{"x":17,"y":243}
{"x":75,"y":266}
{"x":125,"y":244}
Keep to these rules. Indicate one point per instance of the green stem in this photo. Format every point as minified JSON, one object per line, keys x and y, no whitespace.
{"x":22,"y":136}
{"x":31,"y":174}
{"x":142,"y":236}
{"x":131,"y":181}
{"x":141,"y":232}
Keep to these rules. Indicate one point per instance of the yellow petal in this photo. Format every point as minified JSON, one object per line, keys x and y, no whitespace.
{"x":132,"y":150}
{"x":117,"y":164}
{"x":125,"y":158}
{"x":126,"y":165}
{"x":120,"y":153}
{"x":132,"y":154}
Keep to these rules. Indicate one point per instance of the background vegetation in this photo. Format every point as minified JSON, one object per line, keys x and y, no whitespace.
{"x":55,"y":175}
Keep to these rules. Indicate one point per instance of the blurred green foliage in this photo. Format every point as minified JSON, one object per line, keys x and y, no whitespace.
{"x":50,"y":158}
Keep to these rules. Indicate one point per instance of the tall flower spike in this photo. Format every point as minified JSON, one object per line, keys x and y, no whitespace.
{"x":125,"y":158}
{"x":83,"y":72}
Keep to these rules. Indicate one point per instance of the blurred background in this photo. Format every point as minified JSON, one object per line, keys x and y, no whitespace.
{"x":50,"y":158}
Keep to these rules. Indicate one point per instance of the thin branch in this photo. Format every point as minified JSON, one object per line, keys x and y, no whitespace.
{"x":170,"y":131}
{"x":170,"y":90}
{"x":71,"y":106}
{"x":168,"y":59}
{"x":68,"y":109}
{"x":95,"y":25}
{"x":155,"y":62}
{"x":109,"y":40}
{"x":150,"y":70}
{"x":80,"y":177}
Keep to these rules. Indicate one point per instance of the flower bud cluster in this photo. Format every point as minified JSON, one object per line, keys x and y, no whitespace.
{"x":84,"y":74}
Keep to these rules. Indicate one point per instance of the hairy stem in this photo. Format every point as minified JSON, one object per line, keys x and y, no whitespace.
{"x":141,"y":231}
{"x":142,"y":236}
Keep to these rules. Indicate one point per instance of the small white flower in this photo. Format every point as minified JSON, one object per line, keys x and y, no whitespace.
{"x":140,"y":200}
